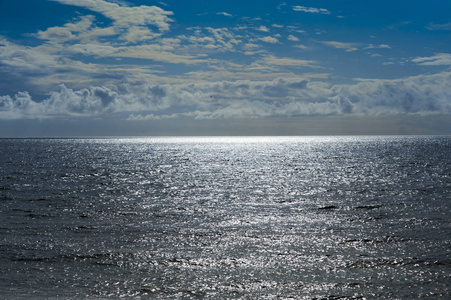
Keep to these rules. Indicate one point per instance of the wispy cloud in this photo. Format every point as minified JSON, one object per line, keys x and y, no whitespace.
{"x":291,"y":62}
{"x":349,"y":47}
{"x":224,"y":14}
{"x":441,"y":59}
{"x":445,"y":27}
{"x":124,"y":16}
{"x":380,"y":46}
{"x":311,"y":10}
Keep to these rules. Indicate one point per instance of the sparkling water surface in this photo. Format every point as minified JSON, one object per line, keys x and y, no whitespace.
{"x":215,"y":218}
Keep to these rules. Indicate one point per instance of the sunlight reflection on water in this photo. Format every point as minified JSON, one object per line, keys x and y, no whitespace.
{"x":222,"y":217}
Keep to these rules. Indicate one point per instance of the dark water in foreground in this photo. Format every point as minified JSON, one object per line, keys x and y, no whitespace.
{"x":255,"y":218}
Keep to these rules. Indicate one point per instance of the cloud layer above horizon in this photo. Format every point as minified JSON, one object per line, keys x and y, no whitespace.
{"x":142,"y":60}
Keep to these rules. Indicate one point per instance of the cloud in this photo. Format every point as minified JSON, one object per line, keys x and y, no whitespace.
{"x":441,"y":59}
{"x":283,"y":97}
{"x":281,"y":5}
{"x":124,"y":16}
{"x":25,"y":58}
{"x":226,"y":39}
{"x":311,"y":10}
{"x":20,"y":106}
{"x":130,"y":24}
{"x":380,"y":46}
{"x":135,"y":68}
{"x":224,"y":14}
{"x":71,"y":31}
{"x":289,"y":62}
{"x":398,"y":25}
{"x":138,"y":34}
{"x":269,"y":39}
{"x":445,"y":27}
{"x":349,"y":47}
{"x":157,"y":53}
{"x":139,"y":117}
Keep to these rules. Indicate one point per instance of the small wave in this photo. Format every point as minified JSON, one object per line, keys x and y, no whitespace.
{"x":367,"y":207}
{"x":328,"y":207}
{"x":38,"y":216}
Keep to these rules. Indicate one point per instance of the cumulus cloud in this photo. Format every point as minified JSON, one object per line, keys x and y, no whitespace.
{"x":293,"y":38}
{"x":269,"y":39}
{"x":311,"y":10}
{"x":289,"y":97}
{"x":93,"y":101}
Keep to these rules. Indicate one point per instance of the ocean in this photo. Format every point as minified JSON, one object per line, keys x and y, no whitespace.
{"x":226,"y":218}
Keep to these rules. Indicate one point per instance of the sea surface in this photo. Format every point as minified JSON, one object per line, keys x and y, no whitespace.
{"x":226,"y":218}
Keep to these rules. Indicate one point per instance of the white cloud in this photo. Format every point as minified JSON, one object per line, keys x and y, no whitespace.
{"x":380,"y":46}
{"x":20,"y":106}
{"x":124,"y":16}
{"x":293,"y":38}
{"x":349,"y":47}
{"x":441,"y":59}
{"x":224,"y":14}
{"x":139,"y":33}
{"x":311,"y":10}
{"x":295,"y":96}
{"x":69,"y":31}
{"x":269,"y":39}
{"x":263,"y":28}
{"x":251,"y":46}
{"x":289,"y":62}
{"x":21,"y":58}
{"x":301,"y":47}
{"x":158,"y":53}
{"x":224,"y":38}
{"x":139,"y":117}
{"x":130,"y":24}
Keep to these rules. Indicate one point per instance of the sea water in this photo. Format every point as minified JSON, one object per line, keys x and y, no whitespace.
{"x":217,"y":217}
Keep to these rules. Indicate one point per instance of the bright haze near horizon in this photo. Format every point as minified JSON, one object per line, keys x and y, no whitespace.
{"x":141,"y":67}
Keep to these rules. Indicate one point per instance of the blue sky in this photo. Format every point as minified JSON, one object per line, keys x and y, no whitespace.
{"x":141,"y":67}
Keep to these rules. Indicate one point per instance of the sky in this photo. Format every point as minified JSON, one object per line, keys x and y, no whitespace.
{"x":213,"y":67}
